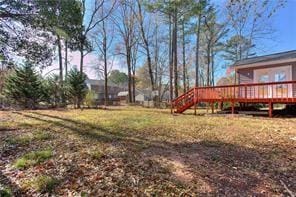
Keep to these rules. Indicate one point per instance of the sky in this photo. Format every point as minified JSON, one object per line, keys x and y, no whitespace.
{"x":285,"y":25}
{"x":284,"y":39}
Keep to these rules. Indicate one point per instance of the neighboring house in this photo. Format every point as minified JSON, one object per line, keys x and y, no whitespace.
{"x":141,"y":95}
{"x":97,"y":86}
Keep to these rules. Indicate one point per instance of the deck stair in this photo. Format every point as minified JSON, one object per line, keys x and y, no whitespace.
{"x":193,"y":96}
{"x":185,"y":101}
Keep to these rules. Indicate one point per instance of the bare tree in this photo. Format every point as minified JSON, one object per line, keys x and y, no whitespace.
{"x":250,"y":21}
{"x":104,"y":39}
{"x":89,"y":25}
{"x":175,"y":48}
{"x":125,"y":21}
{"x":145,"y":39}
{"x":184,"y":54}
{"x":134,"y":58}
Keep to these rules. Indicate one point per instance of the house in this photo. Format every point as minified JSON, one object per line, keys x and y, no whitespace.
{"x":277,"y":67}
{"x":144,"y":95}
{"x":141,"y":96}
{"x":269,"y":79}
{"x":97,"y":86}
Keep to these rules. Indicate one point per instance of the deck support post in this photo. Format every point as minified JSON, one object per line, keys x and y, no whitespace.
{"x":195,"y":100}
{"x":232,"y":107}
{"x":221,"y":106}
{"x":212,"y":106}
{"x":270,"y":111}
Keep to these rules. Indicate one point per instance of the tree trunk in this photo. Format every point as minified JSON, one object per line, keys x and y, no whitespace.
{"x":157,"y":69}
{"x":170,"y":58}
{"x":208,"y":63}
{"x":213,"y":66}
{"x":197,"y":52}
{"x":66,"y":58}
{"x":81,"y":60}
{"x":146,"y":45}
{"x":184,"y":57}
{"x":175,"y":52}
{"x":78,"y":103}
{"x":129,"y":66}
{"x":134,"y":86}
{"x":61,"y":95}
{"x":106,"y":98}
{"x":106,"y":90}
{"x":81,"y":48}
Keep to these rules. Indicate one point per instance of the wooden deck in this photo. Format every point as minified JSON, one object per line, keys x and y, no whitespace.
{"x":266,"y":93}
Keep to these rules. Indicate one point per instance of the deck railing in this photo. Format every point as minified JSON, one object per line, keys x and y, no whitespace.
{"x":255,"y":92}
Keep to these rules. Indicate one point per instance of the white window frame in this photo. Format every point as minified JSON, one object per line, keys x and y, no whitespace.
{"x":271,"y":73}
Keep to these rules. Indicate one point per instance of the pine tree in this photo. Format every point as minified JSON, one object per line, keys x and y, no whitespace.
{"x":76,"y":86}
{"x":23,"y":86}
{"x":51,"y":90}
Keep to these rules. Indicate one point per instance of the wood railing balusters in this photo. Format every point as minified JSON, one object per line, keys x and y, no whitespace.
{"x":257,"y":92}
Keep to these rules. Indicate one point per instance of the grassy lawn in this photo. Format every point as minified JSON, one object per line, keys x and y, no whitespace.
{"x":138,"y":151}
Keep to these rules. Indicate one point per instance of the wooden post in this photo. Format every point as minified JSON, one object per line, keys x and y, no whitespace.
{"x":195,"y":100}
{"x":270,"y":112}
{"x":221,"y":106}
{"x":235,"y":76}
{"x":212,"y":105}
{"x":232,"y":107}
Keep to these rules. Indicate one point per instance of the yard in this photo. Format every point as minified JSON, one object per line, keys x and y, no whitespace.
{"x":145,"y":152}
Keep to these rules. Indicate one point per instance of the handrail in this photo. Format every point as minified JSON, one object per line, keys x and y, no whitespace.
{"x":177,"y":98}
{"x":248,"y":84}
{"x":248,"y":92}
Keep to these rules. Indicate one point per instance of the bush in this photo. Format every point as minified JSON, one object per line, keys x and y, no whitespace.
{"x":51,"y":90}
{"x":5,"y":191}
{"x":90,"y":99}
{"x":21,"y":140}
{"x":32,"y":158}
{"x":41,"y":183}
{"x":28,"y":138}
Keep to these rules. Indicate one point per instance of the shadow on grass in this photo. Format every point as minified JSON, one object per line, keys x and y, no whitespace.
{"x":223,"y":168}
{"x":87,"y":130}
{"x":141,"y":109}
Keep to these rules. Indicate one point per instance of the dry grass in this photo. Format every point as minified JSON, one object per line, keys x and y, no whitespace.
{"x":138,"y":151}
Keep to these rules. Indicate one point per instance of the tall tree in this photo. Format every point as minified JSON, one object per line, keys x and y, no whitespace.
{"x":145,"y":39}
{"x":237,"y":48}
{"x":20,"y":34}
{"x":171,"y":10}
{"x":119,"y":78}
{"x":125,"y":21}
{"x":55,"y":17}
{"x":104,"y":43}
{"x":134,"y":60}
{"x":198,"y":11}
{"x":250,"y":22}
{"x":76,"y":87}
{"x":89,"y":22}
{"x":213,"y":33}
{"x":23,"y":86}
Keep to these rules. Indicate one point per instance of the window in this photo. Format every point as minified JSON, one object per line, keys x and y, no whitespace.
{"x":280,"y":76}
{"x":264,"y":78}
